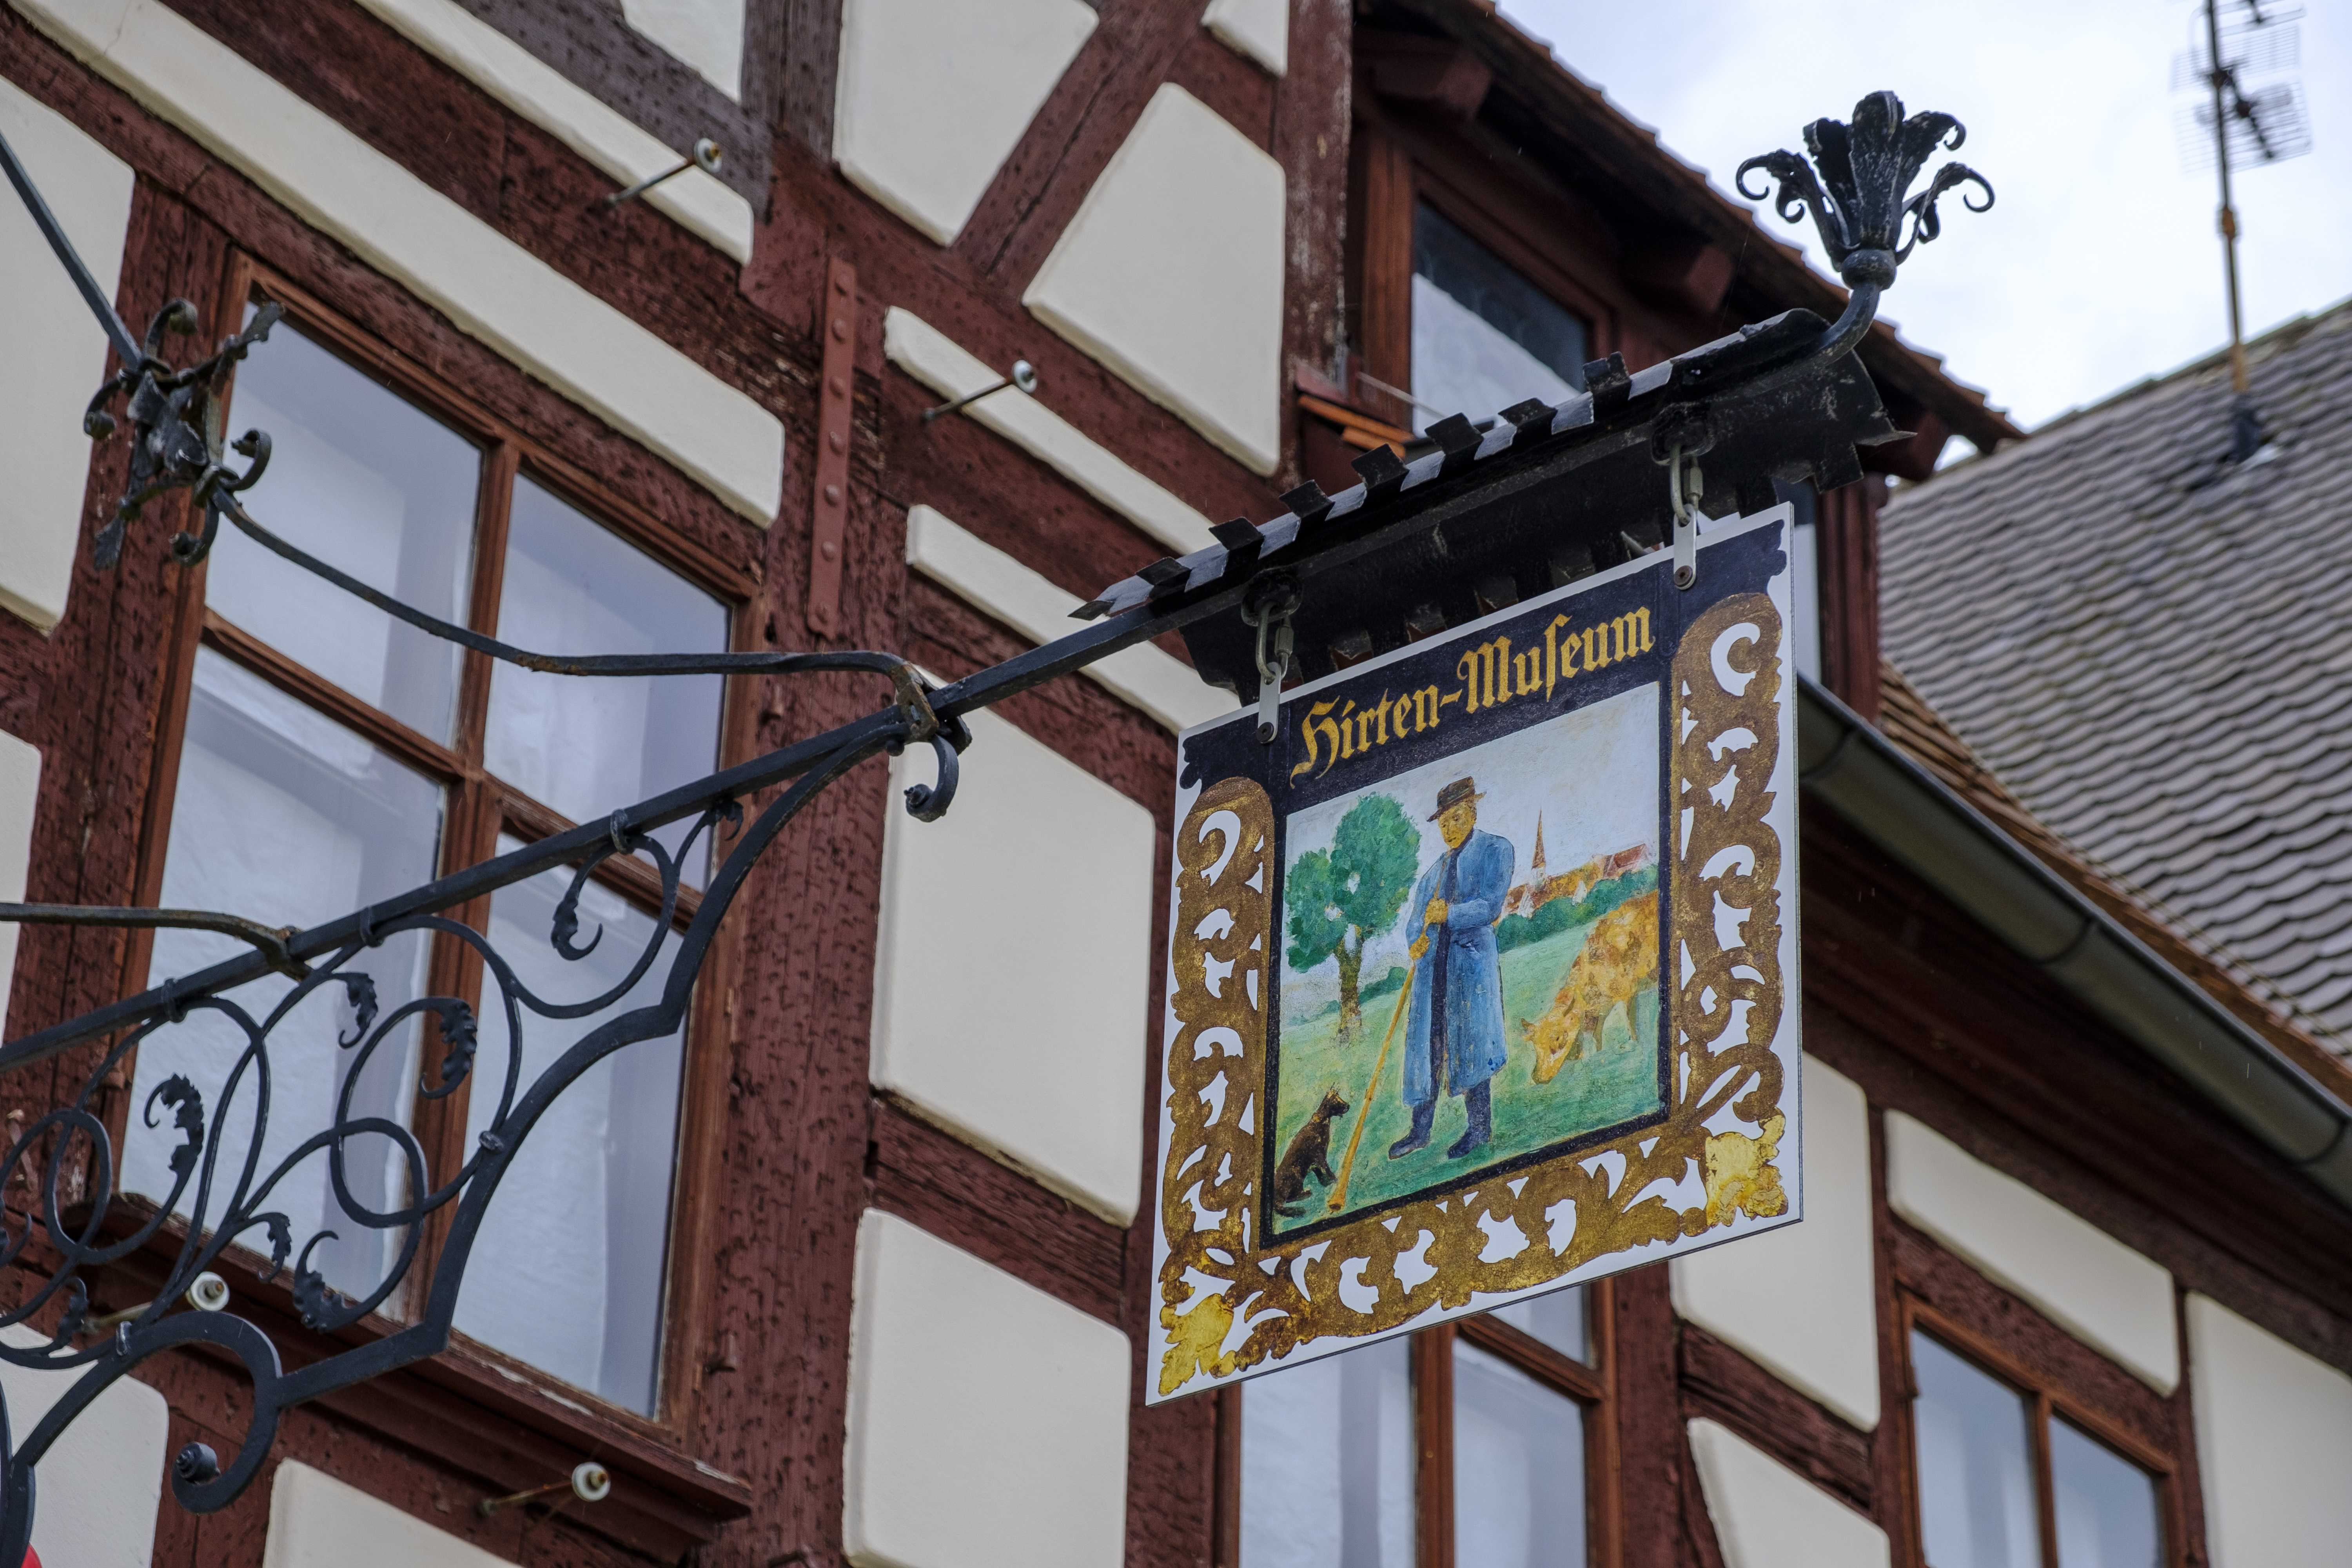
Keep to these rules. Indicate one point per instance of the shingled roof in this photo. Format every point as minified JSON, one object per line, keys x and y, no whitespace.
{"x":1912,"y":722}
{"x":2151,"y":647}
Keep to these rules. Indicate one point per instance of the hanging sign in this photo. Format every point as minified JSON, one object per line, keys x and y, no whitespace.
{"x":1481,"y":975}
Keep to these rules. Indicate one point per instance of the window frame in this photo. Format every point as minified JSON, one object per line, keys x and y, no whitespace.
{"x":1395,"y":172}
{"x":1590,"y":1387}
{"x":2049,"y":1395}
{"x":479,"y":808}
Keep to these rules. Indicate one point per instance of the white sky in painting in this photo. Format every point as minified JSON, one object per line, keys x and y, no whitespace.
{"x":1593,"y":775}
{"x":2099,"y":265}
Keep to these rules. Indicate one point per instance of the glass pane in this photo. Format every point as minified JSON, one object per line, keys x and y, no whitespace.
{"x":1483,"y":338}
{"x":368,"y":483}
{"x":1804,"y":575}
{"x":1518,"y":1468}
{"x":1558,"y":1320}
{"x":287,"y":817}
{"x":1327,"y":1463}
{"x":2107,"y":1505}
{"x":1976,"y":1466}
{"x":567,"y":1271}
{"x":589,"y":746}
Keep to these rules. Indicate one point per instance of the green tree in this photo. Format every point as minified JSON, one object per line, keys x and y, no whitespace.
{"x":1341,"y":897}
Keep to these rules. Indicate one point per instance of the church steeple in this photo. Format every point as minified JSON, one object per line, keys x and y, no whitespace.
{"x":1536,"y":864}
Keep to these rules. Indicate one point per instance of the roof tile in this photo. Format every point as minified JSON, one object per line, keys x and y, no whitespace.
{"x":2145,"y":646}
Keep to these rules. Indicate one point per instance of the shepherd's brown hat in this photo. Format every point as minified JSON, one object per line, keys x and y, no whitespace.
{"x":1454,"y":795}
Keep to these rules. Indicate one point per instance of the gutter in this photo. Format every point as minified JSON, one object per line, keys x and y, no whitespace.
{"x":1918,"y":820}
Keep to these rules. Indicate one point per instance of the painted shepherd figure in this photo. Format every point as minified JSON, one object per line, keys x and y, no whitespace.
{"x":1454,"y":1043}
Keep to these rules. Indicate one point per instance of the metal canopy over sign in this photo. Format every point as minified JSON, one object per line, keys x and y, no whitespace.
{"x":1482,"y":972}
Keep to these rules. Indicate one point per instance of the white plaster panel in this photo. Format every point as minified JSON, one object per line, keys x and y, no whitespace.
{"x":55,"y":349}
{"x":1768,"y":1516}
{"x":931,"y":97}
{"x":1172,"y":274}
{"x":706,"y":34}
{"x":703,"y":205}
{"x":102,"y":1482}
{"x":987,"y":1419}
{"x":1802,"y":1299}
{"x":491,"y":287}
{"x":1012,"y":993}
{"x":2100,"y":1291}
{"x":20,"y":789}
{"x":318,"y":1521}
{"x":1255,"y":29}
{"x":2273,"y":1444}
{"x":936,"y":360}
{"x":989,"y":580}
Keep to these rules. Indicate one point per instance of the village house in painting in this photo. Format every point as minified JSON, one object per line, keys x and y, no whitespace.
{"x":855,"y":1268}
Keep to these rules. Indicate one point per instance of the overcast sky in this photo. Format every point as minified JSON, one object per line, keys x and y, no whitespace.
{"x":2100,"y":264}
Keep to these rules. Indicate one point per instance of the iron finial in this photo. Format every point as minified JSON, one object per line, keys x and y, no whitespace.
{"x":1867,"y":167}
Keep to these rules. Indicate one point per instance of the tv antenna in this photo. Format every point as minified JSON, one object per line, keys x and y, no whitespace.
{"x":2242,"y":123}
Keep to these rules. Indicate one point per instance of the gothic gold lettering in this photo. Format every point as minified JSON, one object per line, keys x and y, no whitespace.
{"x":1322,"y":738}
{"x":1630,"y":633}
{"x":1527,"y":673}
{"x":1425,"y":703}
{"x":1486,"y":672}
{"x":1491,"y":673}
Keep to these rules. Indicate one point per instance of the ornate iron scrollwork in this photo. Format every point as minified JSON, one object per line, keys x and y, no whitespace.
{"x":1867,"y":217}
{"x":176,"y":417}
{"x":228,"y":1202}
{"x":223,"y":1203}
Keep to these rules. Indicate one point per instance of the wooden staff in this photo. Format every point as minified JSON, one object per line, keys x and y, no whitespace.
{"x":1364,"y":1107}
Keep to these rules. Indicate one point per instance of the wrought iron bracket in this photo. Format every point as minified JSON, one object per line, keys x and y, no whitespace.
{"x":1784,"y":398}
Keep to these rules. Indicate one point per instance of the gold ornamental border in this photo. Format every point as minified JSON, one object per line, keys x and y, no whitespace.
{"x":1228,"y":1304}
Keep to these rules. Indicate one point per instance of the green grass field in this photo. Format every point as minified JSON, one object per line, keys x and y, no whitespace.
{"x":1613,"y":1086}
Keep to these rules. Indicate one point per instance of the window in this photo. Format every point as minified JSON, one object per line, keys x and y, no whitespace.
{"x":1804,"y":573}
{"x":1468,"y":289}
{"x":2007,"y":1479}
{"x":581,"y":1221}
{"x":1483,"y":338}
{"x":1519,"y":1449}
{"x":1474,"y":1445}
{"x":328,"y":756}
{"x":1328,"y":1463}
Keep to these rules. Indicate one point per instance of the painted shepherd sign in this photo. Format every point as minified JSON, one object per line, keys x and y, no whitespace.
{"x":1482,"y":976}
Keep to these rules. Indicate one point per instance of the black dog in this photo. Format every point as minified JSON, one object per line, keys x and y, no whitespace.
{"x":1309,"y":1154}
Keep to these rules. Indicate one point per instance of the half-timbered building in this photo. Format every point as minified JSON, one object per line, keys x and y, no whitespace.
{"x":855,"y":1267}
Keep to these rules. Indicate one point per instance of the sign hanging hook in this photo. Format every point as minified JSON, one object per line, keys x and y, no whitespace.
{"x":1270,"y":611}
{"x":1680,"y":491}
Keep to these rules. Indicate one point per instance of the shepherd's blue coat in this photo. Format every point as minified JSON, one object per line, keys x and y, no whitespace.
{"x":1473,"y":983}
